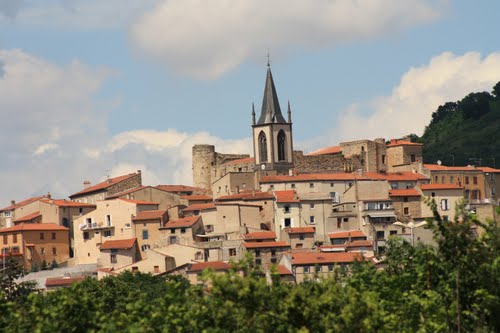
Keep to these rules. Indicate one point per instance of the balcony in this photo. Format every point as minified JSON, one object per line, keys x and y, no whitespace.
{"x":95,"y":225}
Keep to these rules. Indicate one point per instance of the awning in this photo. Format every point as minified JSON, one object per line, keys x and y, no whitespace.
{"x":30,"y":245}
{"x":382,"y":214}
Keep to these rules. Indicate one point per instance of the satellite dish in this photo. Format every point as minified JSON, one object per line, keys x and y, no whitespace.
{"x":263,"y":166}
{"x":439,"y":162}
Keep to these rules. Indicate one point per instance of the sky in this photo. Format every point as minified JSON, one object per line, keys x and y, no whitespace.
{"x":91,"y":88}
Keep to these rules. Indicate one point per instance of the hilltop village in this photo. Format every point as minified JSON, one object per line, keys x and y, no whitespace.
{"x":298,"y":215}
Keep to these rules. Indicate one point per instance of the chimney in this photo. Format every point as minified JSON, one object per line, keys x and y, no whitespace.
{"x":86,"y":184}
{"x":48,"y":195}
{"x":13,"y":202}
{"x":138,"y":171}
{"x":394,"y":141}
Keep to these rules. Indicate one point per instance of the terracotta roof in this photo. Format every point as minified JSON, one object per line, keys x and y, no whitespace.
{"x":150,"y":215}
{"x":300,"y":230}
{"x":66,"y":203}
{"x":114,"y":196}
{"x":34,"y":227}
{"x":56,"y":282}
{"x":28,"y":218}
{"x":247,"y":196}
{"x":347,"y":234}
{"x":140,"y":202}
{"x":196,"y":197}
{"x":184,"y":222}
{"x":404,"y":193}
{"x":426,"y":187}
{"x":326,"y":151}
{"x":215,"y":265}
{"x":286,"y":196}
{"x":105,"y":184}
{"x":118,"y":244}
{"x":312,"y":177}
{"x":396,"y":142}
{"x":488,"y":169}
{"x":256,"y":245}
{"x":240,"y":161}
{"x":260,"y":235}
{"x":282,"y":270}
{"x":204,"y":206}
{"x":437,"y":167}
{"x":178,"y":188}
{"x":325,"y":258}
{"x":359,"y":243}
{"x":21,"y":203}
{"x":396,"y":176}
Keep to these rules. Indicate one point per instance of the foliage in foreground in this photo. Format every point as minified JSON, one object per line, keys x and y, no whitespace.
{"x":454,"y":287}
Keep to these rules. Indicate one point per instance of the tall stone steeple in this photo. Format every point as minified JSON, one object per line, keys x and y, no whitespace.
{"x":271,"y":111}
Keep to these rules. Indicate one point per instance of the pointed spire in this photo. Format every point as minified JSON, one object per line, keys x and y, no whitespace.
{"x":253,"y":114}
{"x":289,"y":112}
{"x":271,"y":111}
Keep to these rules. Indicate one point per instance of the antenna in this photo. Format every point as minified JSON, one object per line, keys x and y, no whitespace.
{"x":439,"y":162}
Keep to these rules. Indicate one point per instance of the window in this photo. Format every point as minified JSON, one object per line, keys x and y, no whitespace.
{"x":293,"y":186}
{"x":445,"y":218}
{"x":380,"y":235}
{"x":339,"y":222}
{"x":145,"y":234}
{"x":7,"y":214}
{"x":42,"y":235}
{"x":393,"y":232}
{"x":53,"y":235}
{"x":156,"y":269}
{"x":198,"y":255}
{"x":394,"y":186}
{"x":209,"y":228}
{"x":274,"y":260}
{"x":172,"y":240}
{"x":311,"y":185}
{"x":271,"y":187}
{"x":346,"y":219}
{"x":14,"y":238}
{"x":183,"y":230}
{"x":232,"y":252}
{"x":145,"y":247}
{"x":54,"y":251}
{"x":318,"y":269}
{"x":286,"y":209}
{"x":301,"y":236}
{"x":406,"y":211}
{"x":281,"y":146}
{"x":436,"y":179}
{"x":288,"y":222}
{"x":474,"y":180}
{"x":42,"y":250}
{"x":5,"y":240}
{"x":405,"y":199}
{"x":444,"y":204}
{"x":452,"y":179}
{"x":262,"y":147}
{"x":172,"y":231}
{"x":383,"y":159}
{"x":442,"y":179}
{"x":311,"y":219}
{"x":306,"y":269}
{"x":273,"y":252}
{"x":311,"y":206}
{"x":86,"y":235}
{"x":80,"y":211}
{"x":412,"y":158}
{"x":257,"y":253}
{"x":433,"y":194}
{"x":108,"y":220}
{"x":135,"y":269}
{"x":467,"y":180}
{"x":112,"y":258}
{"x":15,"y":249}
{"x":258,"y":261}
{"x":299,"y":245}
{"x":107,"y":233}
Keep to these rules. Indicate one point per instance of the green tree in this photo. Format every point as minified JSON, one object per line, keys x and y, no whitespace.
{"x":43,"y":265}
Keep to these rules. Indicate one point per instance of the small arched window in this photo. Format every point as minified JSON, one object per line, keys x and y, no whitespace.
{"x":281,"y":146}
{"x":262,"y":147}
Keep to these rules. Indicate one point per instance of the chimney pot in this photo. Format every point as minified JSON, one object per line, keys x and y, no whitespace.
{"x":86,"y":184}
{"x":13,"y":202}
{"x":49,"y":196}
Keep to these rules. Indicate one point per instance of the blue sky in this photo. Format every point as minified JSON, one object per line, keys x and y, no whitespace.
{"x":92,"y":88}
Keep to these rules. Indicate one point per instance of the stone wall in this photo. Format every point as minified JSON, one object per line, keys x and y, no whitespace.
{"x":325,"y":163}
{"x":125,"y":185}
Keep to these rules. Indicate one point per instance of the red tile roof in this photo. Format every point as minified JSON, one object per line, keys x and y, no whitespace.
{"x":114,"y":196}
{"x":437,"y":167}
{"x":34,"y":227}
{"x":247,"y":196}
{"x":197,"y":197}
{"x":241,"y":161}
{"x":427,"y":187}
{"x":66,"y":203}
{"x":257,"y":245}
{"x":204,"y":206}
{"x":404,"y":193}
{"x":140,"y":202}
{"x":306,"y":177}
{"x":105,"y":184}
{"x":184,"y":222}
{"x":59,"y":282}
{"x":396,"y":176}
{"x":395,"y":143}
{"x":346,"y":234}
{"x":29,"y":217}
{"x":300,"y":230}
{"x":282,"y":270}
{"x":326,"y":151}
{"x":257,"y":235}
{"x":488,"y":169}
{"x":215,"y":265}
{"x":118,"y":244}
{"x":359,"y":243}
{"x":150,"y":215}
{"x":178,"y":188}
{"x":325,"y":258}
{"x":21,"y":203}
{"x":286,"y":196}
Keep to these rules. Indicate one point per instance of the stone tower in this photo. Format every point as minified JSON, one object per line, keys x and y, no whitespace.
{"x":203,"y":160}
{"x":272,"y":134}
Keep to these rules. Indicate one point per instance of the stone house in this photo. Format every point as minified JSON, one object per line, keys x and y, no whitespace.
{"x":147,"y":225}
{"x":407,"y":204}
{"x":183,"y":231}
{"x":164,"y":199}
{"x":17,"y":210}
{"x":300,"y":237}
{"x":266,"y":254}
{"x":118,"y":253}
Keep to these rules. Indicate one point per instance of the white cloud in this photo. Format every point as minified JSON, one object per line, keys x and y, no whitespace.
{"x":447,"y":77}
{"x":205,"y":39}
{"x":45,"y":148}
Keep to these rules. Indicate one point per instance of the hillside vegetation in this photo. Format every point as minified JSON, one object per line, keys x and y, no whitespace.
{"x":465,"y":132}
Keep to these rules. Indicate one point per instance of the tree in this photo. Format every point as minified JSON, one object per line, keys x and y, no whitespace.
{"x":53,"y":264}
{"x":43,"y":266}
{"x":12,"y":290}
{"x":496,"y":91}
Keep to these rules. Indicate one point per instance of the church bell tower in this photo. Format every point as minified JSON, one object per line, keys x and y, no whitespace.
{"x":272,"y":134}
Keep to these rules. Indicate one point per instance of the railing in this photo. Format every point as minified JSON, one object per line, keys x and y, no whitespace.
{"x":94,"y":225}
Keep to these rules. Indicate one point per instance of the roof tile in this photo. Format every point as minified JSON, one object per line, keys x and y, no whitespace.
{"x":105,"y":184}
{"x":118,"y":244}
{"x":184,"y":222}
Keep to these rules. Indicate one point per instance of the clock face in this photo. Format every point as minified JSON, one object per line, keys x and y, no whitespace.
{"x":263,"y":167}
